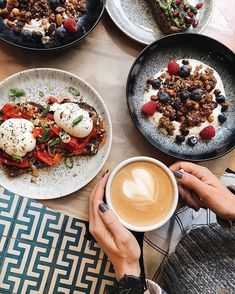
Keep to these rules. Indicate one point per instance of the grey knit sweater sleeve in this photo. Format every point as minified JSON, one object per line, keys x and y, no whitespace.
{"x":203,"y":263}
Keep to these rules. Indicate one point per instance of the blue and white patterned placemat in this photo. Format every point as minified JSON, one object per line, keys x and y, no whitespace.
{"x":45,"y":252}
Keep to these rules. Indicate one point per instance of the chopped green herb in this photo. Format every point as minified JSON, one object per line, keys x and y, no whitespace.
{"x":74,"y":91}
{"x":15,"y":93}
{"x":46,"y":110}
{"x":16,"y":157}
{"x":54,"y":141}
{"x":77,"y":120}
{"x":41,"y":94}
{"x":69,"y":161}
{"x":45,"y":135}
{"x":32,"y":160}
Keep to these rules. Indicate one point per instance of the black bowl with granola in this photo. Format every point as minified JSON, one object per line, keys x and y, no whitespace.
{"x":48,"y":24}
{"x":181,"y":96}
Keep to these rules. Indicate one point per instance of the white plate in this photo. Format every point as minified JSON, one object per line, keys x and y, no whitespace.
{"x":57,"y":181}
{"x":135,"y":19}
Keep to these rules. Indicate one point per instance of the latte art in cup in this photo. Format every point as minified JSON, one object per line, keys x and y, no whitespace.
{"x":141,"y":193}
{"x":139,"y":186}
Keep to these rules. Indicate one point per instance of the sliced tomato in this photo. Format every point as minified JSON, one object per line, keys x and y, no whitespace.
{"x":22,"y":164}
{"x":29,"y":114}
{"x":94,"y":133}
{"x":55,"y":130}
{"x":50,"y":116}
{"x":78,"y":151}
{"x":73,"y":143}
{"x":53,"y":100}
{"x":37,"y":132}
{"x":7,"y":108}
{"x":12,"y":115}
{"x":43,"y":156}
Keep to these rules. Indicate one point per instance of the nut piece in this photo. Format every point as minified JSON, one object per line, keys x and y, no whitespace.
{"x":15,"y":11}
{"x":210,"y":118}
{"x":59,"y":19}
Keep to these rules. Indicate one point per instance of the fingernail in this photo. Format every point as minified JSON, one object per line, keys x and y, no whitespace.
{"x":105,"y":173}
{"x":178,"y":173}
{"x":103,"y":207}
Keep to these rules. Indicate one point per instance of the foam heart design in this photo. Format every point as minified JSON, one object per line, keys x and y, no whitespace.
{"x":140,"y":187}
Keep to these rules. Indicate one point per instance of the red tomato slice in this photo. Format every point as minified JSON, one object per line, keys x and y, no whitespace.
{"x":12,"y":115}
{"x":22,"y":164}
{"x":29,"y":114}
{"x":53,"y":100}
{"x":50,"y":116}
{"x":43,"y":156}
{"x":55,"y":130}
{"x":7,"y":108}
{"x":37,"y":132}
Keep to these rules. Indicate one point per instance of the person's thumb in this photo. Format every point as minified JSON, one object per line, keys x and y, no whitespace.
{"x":192,"y":183}
{"x":111,"y":222}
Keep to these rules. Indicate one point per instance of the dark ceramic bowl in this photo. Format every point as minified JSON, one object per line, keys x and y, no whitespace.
{"x":155,"y":57}
{"x":86,"y":23}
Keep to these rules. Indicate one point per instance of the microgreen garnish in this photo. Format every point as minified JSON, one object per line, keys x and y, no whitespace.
{"x":46,"y":110}
{"x":45,"y":135}
{"x":77,"y":120}
{"x":54,"y":141}
{"x":15,"y":93}
{"x":41,"y":94}
{"x":74,"y":91}
{"x":32,"y":160}
{"x":16,"y":157}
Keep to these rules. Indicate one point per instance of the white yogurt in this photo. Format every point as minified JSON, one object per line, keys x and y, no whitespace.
{"x":195,"y":130}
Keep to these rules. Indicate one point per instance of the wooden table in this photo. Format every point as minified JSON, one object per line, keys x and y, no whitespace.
{"x":103,"y":59}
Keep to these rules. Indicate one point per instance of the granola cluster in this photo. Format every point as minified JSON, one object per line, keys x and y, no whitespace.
{"x":185,"y":96}
{"x":52,"y":14}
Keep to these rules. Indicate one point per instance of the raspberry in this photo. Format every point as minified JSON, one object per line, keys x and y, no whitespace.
{"x":70,"y":25}
{"x":207,"y":132}
{"x":173,"y":67}
{"x":149,"y":108}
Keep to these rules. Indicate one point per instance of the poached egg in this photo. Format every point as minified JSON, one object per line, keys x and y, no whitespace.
{"x":16,"y":136}
{"x":73,"y":120}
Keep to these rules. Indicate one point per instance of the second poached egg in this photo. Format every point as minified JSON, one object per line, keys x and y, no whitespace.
{"x":65,"y":116}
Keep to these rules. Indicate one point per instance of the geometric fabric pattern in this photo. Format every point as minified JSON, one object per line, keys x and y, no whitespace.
{"x":45,"y":252}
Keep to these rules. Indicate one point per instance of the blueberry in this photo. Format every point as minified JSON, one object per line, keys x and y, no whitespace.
{"x":27,"y":35}
{"x":3,"y":3}
{"x":220,"y":99}
{"x":184,"y":71}
{"x":156,"y":84}
{"x":184,"y":94}
{"x":196,"y":94}
{"x":164,"y":97}
{"x":60,"y":32}
{"x":222,"y":118}
{"x":192,"y":141}
{"x":37,"y":35}
{"x":54,"y":4}
{"x":179,"y":139}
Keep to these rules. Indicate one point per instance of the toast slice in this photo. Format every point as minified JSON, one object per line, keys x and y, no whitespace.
{"x":173,"y":16}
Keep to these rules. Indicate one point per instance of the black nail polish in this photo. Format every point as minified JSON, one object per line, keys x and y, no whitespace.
{"x":105,"y":173}
{"x":103,"y":207}
{"x":178,"y":173}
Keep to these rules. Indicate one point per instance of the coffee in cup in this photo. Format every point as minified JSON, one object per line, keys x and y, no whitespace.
{"x":143,"y":193}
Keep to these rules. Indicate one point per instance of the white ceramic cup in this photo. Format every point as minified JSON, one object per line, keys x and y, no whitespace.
{"x":175,"y":193}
